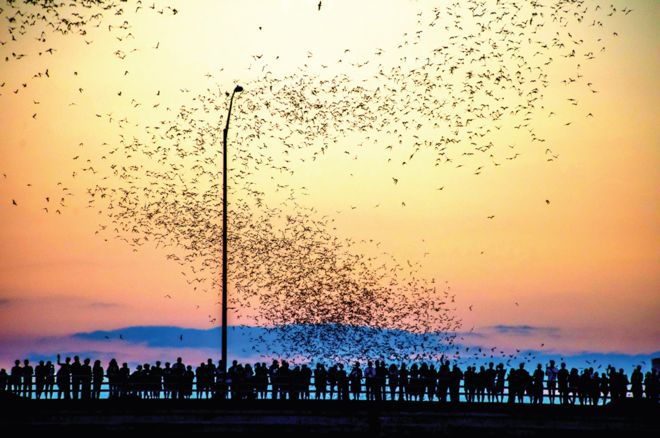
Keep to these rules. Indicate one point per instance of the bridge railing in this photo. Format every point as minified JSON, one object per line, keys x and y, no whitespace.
{"x":190,"y":390}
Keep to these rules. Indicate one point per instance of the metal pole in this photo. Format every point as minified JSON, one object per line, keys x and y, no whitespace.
{"x":237,"y":89}
{"x":224,"y":237}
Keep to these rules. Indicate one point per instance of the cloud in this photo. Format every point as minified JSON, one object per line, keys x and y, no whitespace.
{"x":140,"y":344}
{"x":524,"y":330}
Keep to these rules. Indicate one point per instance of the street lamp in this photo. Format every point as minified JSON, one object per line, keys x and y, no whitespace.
{"x":238,"y":89}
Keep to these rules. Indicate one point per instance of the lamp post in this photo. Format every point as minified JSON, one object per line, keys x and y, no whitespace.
{"x":238,"y":89}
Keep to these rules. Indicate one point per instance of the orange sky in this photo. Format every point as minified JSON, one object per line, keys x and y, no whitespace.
{"x":587,"y":263}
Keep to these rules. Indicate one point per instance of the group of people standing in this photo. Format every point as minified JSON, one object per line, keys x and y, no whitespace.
{"x":378,"y":381}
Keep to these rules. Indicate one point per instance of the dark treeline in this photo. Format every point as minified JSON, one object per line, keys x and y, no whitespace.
{"x":76,"y":379}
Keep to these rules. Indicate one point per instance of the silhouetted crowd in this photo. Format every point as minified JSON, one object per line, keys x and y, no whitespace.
{"x":377,"y":381}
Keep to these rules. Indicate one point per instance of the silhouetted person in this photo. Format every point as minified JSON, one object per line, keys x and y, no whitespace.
{"x":86,"y":380}
{"x":431,"y":379}
{"x":284,"y":379}
{"x":584,"y":383}
{"x":455,"y":384}
{"x":156,"y":380}
{"x":573,"y":385}
{"x":167,"y":381}
{"x":513,"y":385}
{"x":489,"y":375}
{"x":523,"y":379}
{"x":178,"y":375}
{"x":551,"y":373}
{"x":201,"y":376}
{"x":414,"y":382}
{"x":64,"y":379}
{"x":188,"y":379}
{"x":40,"y":373}
{"x":124,"y":380}
{"x":16,"y":378}
{"x":50,"y":380}
{"x":369,"y":378}
{"x":27,"y":374}
{"x":393,"y":380}
{"x":342,"y":383}
{"x":605,"y":386}
{"x":133,"y":386}
{"x":562,"y":382}
{"x":274,"y":379}
{"x":97,"y":378}
{"x":404,"y":380}
{"x":481,"y":382}
{"x":296,"y":383}
{"x":221,"y":389}
{"x":636,"y":381}
{"x":537,"y":385}
{"x":248,"y":382}
{"x":380,"y":380}
{"x":320,"y":382}
{"x":651,"y":385}
{"x":113,"y":379}
{"x":443,"y":381}
{"x":76,"y":377}
{"x":623,"y":384}
{"x":306,"y":377}
{"x":595,"y":388}
{"x":4,"y":380}
{"x":469,"y":384}
{"x":261,"y":377}
{"x":356,"y":380}
{"x":500,"y":375}
{"x":234,"y":377}
{"x":332,"y":380}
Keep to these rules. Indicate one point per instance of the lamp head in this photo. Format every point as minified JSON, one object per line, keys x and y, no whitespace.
{"x":238,"y":89}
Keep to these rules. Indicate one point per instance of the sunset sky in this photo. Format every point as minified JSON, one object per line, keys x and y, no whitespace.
{"x":580,"y":273}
